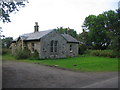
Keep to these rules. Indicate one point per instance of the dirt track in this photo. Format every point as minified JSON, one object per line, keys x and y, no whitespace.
{"x":27,"y":75}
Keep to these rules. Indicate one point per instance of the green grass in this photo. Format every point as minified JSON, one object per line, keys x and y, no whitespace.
{"x":81,"y":63}
{"x":8,"y":57}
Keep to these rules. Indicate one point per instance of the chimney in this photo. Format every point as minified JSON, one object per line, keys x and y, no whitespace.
{"x":36,"y":27}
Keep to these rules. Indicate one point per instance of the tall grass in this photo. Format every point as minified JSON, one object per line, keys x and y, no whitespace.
{"x":104,"y":53}
{"x":5,"y":51}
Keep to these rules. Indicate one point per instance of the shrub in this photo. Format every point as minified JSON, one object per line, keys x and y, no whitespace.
{"x":34,"y":55}
{"x":26,"y":54}
{"x":104,"y":53}
{"x":23,"y":54}
{"x":82,"y":49}
{"x":5,"y":51}
{"x":116,"y":53}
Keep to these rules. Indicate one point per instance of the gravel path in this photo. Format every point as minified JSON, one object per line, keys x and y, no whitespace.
{"x":28,"y":75}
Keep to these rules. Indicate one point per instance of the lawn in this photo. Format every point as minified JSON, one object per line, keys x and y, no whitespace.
{"x":81,"y":63}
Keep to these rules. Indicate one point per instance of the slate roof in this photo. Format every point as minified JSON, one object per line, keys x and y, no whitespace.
{"x":69,"y":38}
{"x":37,"y":35}
{"x":40,"y":34}
{"x":33,"y":36}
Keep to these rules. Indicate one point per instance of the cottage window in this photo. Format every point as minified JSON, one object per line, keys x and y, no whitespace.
{"x":33,"y":45}
{"x":51,"y":48}
{"x":56,"y":43}
{"x":70,"y":48}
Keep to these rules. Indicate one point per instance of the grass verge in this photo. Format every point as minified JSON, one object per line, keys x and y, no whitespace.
{"x":81,"y":63}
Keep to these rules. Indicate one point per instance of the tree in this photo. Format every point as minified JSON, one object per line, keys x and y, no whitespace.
{"x":113,"y":26}
{"x":118,"y":33}
{"x":97,"y":33}
{"x":104,"y":30}
{"x":84,"y":38}
{"x":6,"y":42}
{"x":9,"y":6}
{"x":69,"y":31}
{"x":84,"y":42}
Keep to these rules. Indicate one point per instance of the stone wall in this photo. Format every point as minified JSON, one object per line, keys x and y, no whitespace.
{"x":63,"y":48}
{"x":74,"y":49}
{"x":36,"y":46}
{"x":16,"y":46}
{"x":46,"y":46}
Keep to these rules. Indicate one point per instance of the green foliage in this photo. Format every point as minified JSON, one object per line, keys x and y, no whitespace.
{"x":26,"y":54}
{"x":113,"y":26}
{"x":69,"y":31}
{"x":82,"y":48}
{"x":84,"y":40}
{"x":22,"y":54}
{"x":104,"y":53}
{"x":5,"y":51}
{"x":9,"y":6}
{"x":97,"y":33}
{"x":34,"y":55}
{"x":103,"y":31}
{"x":6,"y":42}
{"x":116,"y":35}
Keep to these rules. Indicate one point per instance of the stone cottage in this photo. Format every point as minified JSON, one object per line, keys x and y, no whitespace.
{"x":49,"y":44}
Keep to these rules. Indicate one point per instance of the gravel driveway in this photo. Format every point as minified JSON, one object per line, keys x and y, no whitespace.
{"x":28,"y":75}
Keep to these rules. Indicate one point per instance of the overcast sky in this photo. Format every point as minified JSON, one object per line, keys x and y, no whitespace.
{"x":51,"y":14}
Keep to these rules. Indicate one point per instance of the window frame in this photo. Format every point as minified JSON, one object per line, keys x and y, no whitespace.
{"x":33,"y":47}
{"x":71,"y":48}
{"x":53,"y":45}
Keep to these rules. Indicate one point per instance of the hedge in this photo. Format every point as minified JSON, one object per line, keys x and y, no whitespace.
{"x":104,"y":53}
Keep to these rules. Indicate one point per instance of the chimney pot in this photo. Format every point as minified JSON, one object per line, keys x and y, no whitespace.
{"x":36,"y":27}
